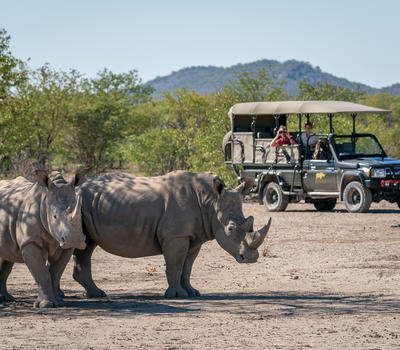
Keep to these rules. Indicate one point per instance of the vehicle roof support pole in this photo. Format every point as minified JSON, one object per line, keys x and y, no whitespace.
{"x":354,"y":122}
{"x":254,"y":130}
{"x":299,"y":116}
{"x":308,"y":118}
{"x":276,"y":123}
{"x":330,"y":124}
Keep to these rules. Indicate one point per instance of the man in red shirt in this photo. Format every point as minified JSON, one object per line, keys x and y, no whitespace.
{"x":283,"y":138}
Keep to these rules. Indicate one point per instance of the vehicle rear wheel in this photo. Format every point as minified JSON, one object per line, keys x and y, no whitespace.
{"x":273,"y":197}
{"x":324,"y":204}
{"x":357,"y":197}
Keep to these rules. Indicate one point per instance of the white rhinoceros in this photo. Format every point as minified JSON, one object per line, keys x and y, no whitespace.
{"x":171,"y":215}
{"x":40,"y":224}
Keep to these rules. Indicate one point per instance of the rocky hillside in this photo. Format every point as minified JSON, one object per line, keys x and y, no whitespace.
{"x":209,"y":79}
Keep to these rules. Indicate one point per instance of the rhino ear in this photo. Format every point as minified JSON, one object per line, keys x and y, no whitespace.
{"x":78,"y":179}
{"x":245,"y":187}
{"x":218,"y":185}
{"x":42,"y":178}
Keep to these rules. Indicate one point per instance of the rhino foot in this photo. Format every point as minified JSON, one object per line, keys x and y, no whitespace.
{"x":192,"y":291}
{"x":45,"y":303}
{"x":96,"y":293}
{"x":6,"y":297}
{"x":59,"y":301}
{"x":173,"y":292}
{"x":60,"y":294}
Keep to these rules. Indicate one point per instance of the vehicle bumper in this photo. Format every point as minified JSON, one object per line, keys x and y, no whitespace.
{"x":384,"y":188}
{"x":390,"y":184}
{"x":383,"y":184}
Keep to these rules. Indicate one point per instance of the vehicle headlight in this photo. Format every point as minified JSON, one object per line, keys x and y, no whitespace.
{"x":366,"y":171}
{"x":378,"y":172}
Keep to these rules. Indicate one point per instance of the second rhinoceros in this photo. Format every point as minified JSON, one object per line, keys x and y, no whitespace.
{"x":40,"y":224}
{"x":171,"y":215}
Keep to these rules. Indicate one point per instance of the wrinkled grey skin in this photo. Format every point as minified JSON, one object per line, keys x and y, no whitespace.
{"x":171,"y":215}
{"x":40,"y":224}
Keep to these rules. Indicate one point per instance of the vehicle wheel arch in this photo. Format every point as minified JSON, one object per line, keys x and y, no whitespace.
{"x":346,"y":179}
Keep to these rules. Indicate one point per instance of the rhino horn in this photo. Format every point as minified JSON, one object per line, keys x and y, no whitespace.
{"x":255,"y":239}
{"x":76,"y":214}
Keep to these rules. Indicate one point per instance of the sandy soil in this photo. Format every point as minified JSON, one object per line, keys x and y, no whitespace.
{"x":324,"y":280}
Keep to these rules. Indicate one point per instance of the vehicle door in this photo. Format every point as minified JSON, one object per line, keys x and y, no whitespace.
{"x":320,"y":175}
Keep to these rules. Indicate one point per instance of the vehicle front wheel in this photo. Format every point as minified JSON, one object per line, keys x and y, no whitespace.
{"x":357,"y":197}
{"x":324,"y":204}
{"x":273,"y":197}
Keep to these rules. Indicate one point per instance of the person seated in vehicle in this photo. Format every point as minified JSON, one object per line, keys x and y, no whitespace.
{"x":307,"y":139}
{"x":322,"y":151}
{"x":283,"y":138}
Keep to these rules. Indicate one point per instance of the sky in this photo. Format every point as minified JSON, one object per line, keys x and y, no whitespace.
{"x":354,"y":39}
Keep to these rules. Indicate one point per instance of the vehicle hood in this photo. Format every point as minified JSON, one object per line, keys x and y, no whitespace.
{"x":370,"y":162}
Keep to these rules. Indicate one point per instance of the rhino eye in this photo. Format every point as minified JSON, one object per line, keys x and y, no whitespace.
{"x":55,"y":216}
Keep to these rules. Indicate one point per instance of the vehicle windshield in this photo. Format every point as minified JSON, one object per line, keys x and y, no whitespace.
{"x":357,"y":146}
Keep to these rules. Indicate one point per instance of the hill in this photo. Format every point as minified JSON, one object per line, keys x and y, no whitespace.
{"x":208,"y":79}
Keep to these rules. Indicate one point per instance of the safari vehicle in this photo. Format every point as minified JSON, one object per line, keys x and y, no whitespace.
{"x":357,"y":171}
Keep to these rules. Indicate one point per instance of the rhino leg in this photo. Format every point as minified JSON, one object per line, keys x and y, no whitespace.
{"x":57,"y":267}
{"x":36,"y":263}
{"x":187,"y":270}
{"x":175,"y":252}
{"x":83,"y":271}
{"x":5,"y":270}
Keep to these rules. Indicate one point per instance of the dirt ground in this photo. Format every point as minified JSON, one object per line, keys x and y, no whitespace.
{"x":323,"y":280}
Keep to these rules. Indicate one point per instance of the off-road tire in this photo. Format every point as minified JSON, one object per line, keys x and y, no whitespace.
{"x":325,"y":204}
{"x":357,"y":197}
{"x":273,"y":197}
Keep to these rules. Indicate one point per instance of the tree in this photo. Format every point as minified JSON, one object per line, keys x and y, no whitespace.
{"x":254,"y":87}
{"x":386,"y":126}
{"x":188,"y":128}
{"x":325,"y":91}
{"x":12,"y":70}
{"x":105,"y":112}
{"x":37,"y":114}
